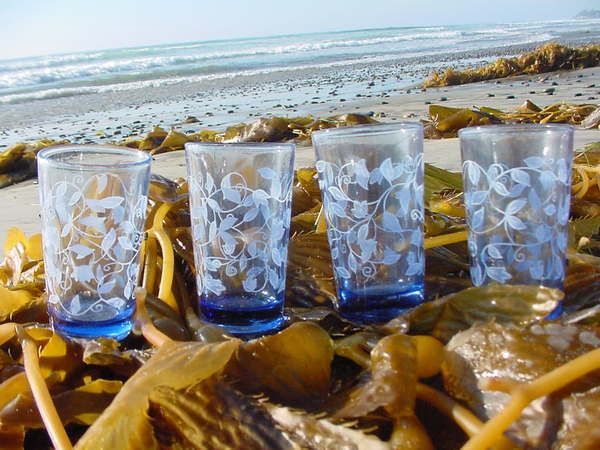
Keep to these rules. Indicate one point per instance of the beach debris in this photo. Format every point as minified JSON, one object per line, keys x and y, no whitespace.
{"x":18,"y":163}
{"x":445,"y":122}
{"x":264,"y":129}
{"x":592,"y":120}
{"x":191,"y":119}
{"x":485,"y":364}
{"x":546,"y":58}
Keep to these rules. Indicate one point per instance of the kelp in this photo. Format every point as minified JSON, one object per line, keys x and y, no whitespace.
{"x":445,"y":317}
{"x":293,"y":366}
{"x":488,"y":363}
{"x":586,"y":182}
{"x":445,"y":121}
{"x":124,"y":424}
{"x":81,"y":405}
{"x":22,"y":263}
{"x":22,"y":305}
{"x":18,"y":163}
{"x":264,"y":129}
{"x":217,"y":417}
{"x":545,"y":58}
{"x":81,"y":383}
{"x":392,"y":386}
{"x":393,"y":380}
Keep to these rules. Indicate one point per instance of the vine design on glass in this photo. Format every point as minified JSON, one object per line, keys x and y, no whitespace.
{"x":366,"y":234}
{"x":517,"y":221}
{"x":91,"y":228}
{"x":237,"y":235}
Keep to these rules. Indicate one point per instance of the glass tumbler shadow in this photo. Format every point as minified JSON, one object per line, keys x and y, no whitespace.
{"x":93,"y":202}
{"x":517,"y":185}
{"x":371,"y":179}
{"x":240,"y":200}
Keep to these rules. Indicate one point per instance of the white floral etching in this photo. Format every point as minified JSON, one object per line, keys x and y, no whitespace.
{"x":240,"y":234}
{"x":368,"y":232}
{"x":518,"y":220}
{"x":91,"y":242}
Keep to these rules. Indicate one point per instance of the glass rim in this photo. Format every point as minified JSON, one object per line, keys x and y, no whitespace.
{"x":367,"y":129}
{"x":140,"y":159}
{"x":254,"y":146}
{"x":512,"y":128}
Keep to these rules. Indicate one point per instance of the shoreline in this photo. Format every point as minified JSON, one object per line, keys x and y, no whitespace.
{"x":217,"y":103}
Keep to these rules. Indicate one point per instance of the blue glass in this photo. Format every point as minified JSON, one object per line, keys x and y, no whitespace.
{"x":380,"y":303}
{"x":243,"y":314}
{"x":517,"y":184}
{"x":117,"y":328}
{"x":371,"y":178}
{"x":240,"y":199}
{"x":93,"y":209}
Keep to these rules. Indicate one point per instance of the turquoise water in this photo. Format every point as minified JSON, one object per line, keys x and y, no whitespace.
{"x":129,"y":68}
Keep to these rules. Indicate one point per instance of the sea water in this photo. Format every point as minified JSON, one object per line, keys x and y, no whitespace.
{"x":378,"y":304}
{"x":243,"y":314}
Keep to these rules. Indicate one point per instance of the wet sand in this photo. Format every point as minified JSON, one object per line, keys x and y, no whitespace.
{"x":21,"y":205}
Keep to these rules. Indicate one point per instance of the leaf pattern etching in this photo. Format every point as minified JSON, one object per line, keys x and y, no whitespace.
{"x":367,"y":233}
{"x":518,"y":220}
{"x":239,"y":242}
{"x":91,"y":243}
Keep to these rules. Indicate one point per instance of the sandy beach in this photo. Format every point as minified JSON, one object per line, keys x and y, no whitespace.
{"x":21,"y":205}
{"x":387,"y":89}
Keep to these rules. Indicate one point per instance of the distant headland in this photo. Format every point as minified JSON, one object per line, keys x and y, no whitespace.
{"x":588,"y":14}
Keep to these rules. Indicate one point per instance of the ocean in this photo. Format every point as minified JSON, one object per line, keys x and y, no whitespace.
{"x":113,"y":70}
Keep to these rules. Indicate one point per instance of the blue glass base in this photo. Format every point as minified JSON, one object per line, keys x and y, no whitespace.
{"x":244,"y":315}
{"x":115,"y":329}
{"x":556,"y":313}
{"x":378,"y":304}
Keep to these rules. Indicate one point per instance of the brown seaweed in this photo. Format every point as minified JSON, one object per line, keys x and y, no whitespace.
{"x":292,"y":366}
{"x":505,"y":355}
{"x":124,"y":424}
{"x":216,"y":417}
{"x":518,"y":305}
{"x":445,"y":122}
{"x":546,"y":58}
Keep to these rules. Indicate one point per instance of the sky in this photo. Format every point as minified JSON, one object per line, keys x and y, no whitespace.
{"x":39,"y":27}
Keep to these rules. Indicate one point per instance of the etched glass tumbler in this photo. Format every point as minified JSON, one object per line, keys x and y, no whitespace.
{"x":371,"y":179}
{"x":517,"y":184}
{"x":240,"y":200}
{"x":93,"y":202}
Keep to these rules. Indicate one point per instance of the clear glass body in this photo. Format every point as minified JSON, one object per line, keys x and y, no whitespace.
{"x":240,"y":199}
{"x":93,"y":202}
{"x":371,"y":179}
{"x":517,"y":184}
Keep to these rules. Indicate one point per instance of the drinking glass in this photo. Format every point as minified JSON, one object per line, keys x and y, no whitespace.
{"x":240,"y":199}
{"x":517,"y":185}
{"x":93,"y":202}
{"x":371,"y":179}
